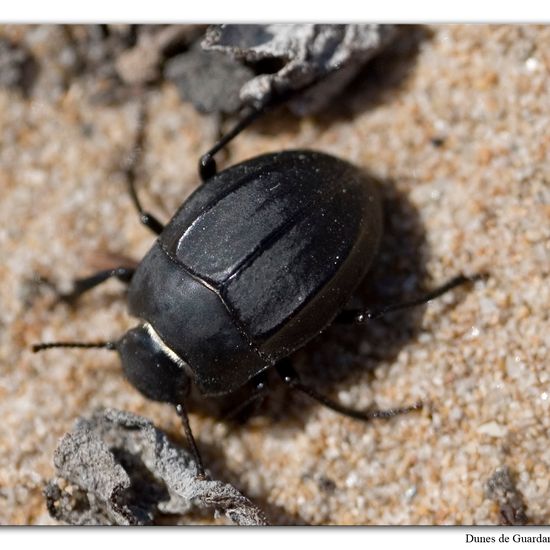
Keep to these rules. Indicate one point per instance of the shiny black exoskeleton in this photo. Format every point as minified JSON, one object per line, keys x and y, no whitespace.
{"x":258,"y":261}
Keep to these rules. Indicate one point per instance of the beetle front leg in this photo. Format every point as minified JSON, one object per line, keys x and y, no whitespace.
{"x":290,"y":376}
{"x":182,"y":413}
{"x":130,"y":171}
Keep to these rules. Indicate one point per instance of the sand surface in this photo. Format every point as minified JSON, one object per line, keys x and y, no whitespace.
{"x":456,"y":125}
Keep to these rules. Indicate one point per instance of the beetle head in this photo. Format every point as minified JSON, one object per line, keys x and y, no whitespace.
{"x":151,"y":367}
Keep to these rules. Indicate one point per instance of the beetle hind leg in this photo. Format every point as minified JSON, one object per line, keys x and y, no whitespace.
{"x":362,"y":315}
{"x":291,"y":378}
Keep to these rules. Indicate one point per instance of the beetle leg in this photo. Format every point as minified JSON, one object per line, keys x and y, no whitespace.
{"x":182,"y":413}
{"x":207,"y":164}
{"x":359,"y":316}
{"x":80,"y":286}
{"x":290,"y":377}
{"x":147,"y":219}
{"x":130,"y":172}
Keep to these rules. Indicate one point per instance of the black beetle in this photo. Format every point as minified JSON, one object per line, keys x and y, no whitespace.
{"x":259,"y":260}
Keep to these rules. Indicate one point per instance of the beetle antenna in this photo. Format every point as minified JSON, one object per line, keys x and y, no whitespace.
{"x":111,"y":346}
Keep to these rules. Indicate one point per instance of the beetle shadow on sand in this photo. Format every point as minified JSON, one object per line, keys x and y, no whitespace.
{"x":343,"y":351}
{"x":342,"y":354}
